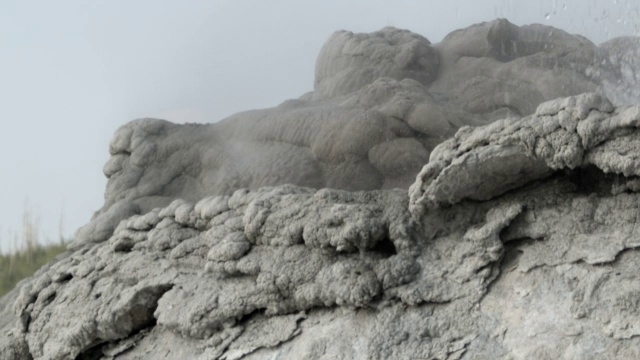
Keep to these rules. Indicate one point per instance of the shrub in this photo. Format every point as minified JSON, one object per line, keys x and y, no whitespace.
{"x":24,"y":263}
{"x":28,"y":255}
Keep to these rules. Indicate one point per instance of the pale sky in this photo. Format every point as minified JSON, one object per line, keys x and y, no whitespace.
{"x":72,"y":71}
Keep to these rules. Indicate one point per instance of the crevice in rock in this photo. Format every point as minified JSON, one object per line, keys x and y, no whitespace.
{"x":139,"y":317}
{"x":49,"y":299}
{"x":65,"y":278}
{"x":614,"y":261}
{"x":246,"y":317}
{"x":93,"y":353}
{"x":509,"y":261}
{"x":146,"y":303}
{"x":113,"y":349}
{"x":514,"y":243}
{"x":591,"y":180}
{"x":512,"y":251}
{"x":385,"y":247}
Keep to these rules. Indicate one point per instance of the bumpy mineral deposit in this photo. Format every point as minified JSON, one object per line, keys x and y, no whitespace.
{"x":472,"y":199}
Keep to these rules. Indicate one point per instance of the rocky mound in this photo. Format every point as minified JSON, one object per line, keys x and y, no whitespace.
{"x":517,"y":239}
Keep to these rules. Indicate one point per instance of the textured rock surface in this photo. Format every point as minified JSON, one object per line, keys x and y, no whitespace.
{"x":517,"y":240}
{"x":382,"y":102}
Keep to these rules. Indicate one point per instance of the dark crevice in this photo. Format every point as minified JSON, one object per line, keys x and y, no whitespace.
{"x":65,"y":278}
{"x":590,"y":179}
{"x":93,"y":353}
{"x":140,"y":316}
{"x":512,"y":246}
{"x":580,"y":180}
{"x":49,"y":299}
{"x":98,"y":351}
{"x":146,"y":305}
{"x":246,"y":317}
{"x":385,"y":247}
{"x":509,"y":261}
{"x":242,"y":320}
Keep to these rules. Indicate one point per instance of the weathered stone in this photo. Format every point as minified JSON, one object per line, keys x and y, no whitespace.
{"x":517,"y":240}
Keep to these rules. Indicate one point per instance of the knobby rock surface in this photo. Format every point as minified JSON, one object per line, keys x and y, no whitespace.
{"x":471,"y":199}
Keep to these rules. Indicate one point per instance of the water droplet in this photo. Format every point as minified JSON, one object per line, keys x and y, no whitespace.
{"x":547,"y":16}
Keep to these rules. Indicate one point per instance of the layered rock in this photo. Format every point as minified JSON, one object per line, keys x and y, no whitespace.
{"x":381,"y":103}
{"x":517,"y":240}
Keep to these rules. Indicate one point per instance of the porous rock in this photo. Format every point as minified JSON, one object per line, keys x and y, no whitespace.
{"x":516,"y":240}
{"x":381,"y":103}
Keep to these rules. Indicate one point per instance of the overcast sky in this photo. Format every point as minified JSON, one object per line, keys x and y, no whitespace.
{"x":72,"y":71}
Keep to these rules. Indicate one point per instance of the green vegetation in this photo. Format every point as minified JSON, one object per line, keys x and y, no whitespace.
{"x":24,"y":263}
{"x":28,"y":256}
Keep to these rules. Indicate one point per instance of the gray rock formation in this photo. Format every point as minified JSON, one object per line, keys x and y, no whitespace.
{"x":382,"y":102}
{"x":277,"y":234}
